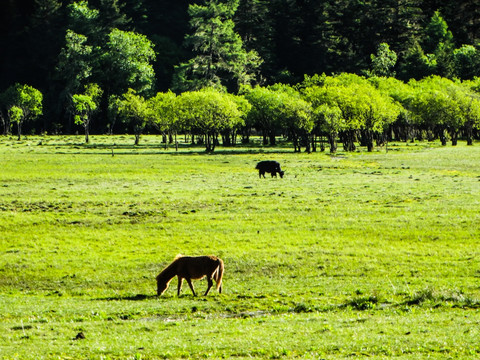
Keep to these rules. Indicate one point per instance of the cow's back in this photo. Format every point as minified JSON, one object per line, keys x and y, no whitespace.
{"x":268,"y":165}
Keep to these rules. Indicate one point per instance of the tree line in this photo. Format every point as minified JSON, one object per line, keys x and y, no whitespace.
{"x":98,"y":60}
{"x":319,"y":111}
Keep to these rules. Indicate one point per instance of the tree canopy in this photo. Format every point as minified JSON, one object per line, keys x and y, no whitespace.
{"x":136,"y":49}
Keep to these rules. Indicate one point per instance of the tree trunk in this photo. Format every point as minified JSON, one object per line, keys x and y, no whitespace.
{"x":332,"y":140}
{"x":443,"y":138}
{"x":296,"y":145}
{"x":349,"y":140}
{"x":306,"y":139}
{"x":246,"y":135}
{"x":469,"y":132}
{"x":272,"y":138}
{"x":369,"y":140}
{"x":454,"y":135}
{"x":314,"y":143}
{"x":19,"y":128}
{"x":226,"y":139}
{"x":5,"y":124}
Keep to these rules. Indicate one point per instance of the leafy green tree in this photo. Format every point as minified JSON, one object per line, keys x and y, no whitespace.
{"x":208,"y":112}
{"x":327,"y":115}
{"x":74,"y":63}
{"x":6,"y":101}
{"x":438,"y":41}
{"x":134,"y":111}
{"x":25,"y":105}
{"x":467,"y":62}
{"x":297,"y":120}
{"x":265,"y":114}
{"x":384,"y":61}
{"x":15,"y":115}
{"x":416,"y":64}
{"x":83,"y":105}
{"x":471,"y":106}
{"x":401,"y":93}
{"x":280,"y":109}
{"x":114,"y":104}
{"x":436,"y":32}
{"x":381,"y":111}
{"x":255,"y":27}
{"x":230,"y":135}
{"x":330,"y":121}
{"x":220,"y":58}
{"x":83,"y":19}
{"x":112,"y":15}
{"x":436,"y":108}
{"x":127,"y":62}
{"x":164,"y":114}
{"x":467,"y":110}
{"x":364,"y":109}
{"x":295,"y":116}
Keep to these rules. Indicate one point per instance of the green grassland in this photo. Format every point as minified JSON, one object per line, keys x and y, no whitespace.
{"x":357,"y":255}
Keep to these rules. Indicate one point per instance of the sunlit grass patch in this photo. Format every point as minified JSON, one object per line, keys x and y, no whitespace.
{"x":373,"y":254}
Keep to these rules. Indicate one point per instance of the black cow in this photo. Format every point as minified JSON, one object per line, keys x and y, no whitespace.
{"x":269,"y":166}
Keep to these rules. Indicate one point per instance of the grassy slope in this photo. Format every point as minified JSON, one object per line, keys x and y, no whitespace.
{"x":359,"y":254}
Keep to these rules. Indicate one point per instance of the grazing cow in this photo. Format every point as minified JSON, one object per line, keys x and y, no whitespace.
{"x":269,"y":166}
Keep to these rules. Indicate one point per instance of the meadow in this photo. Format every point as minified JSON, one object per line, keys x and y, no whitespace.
{"x":357,"y":255}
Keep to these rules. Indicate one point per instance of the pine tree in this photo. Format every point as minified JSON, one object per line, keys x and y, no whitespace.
{"x":221,"y":60}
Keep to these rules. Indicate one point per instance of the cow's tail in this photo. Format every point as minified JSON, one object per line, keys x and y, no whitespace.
{"x":218,"y":275}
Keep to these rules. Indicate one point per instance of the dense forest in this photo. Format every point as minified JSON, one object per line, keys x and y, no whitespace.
{"x":82,"y":56}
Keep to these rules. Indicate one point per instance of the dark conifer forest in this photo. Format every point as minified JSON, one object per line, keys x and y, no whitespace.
{"x":151,"y":46}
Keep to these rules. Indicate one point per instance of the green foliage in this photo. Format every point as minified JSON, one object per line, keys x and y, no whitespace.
{"x":164,"y":109}
{"x":96,"y":51}
{"x":221,"y":60}
{"x":330,"y":121}
{"x":384,"y":61}
{"x":62,"y":46}
{"x":114,"y":104}
{"x":83,"y":105}
{"x":83,"y":19}
{"x":134,"y":110}
{"x":128,"y":59}
{"x":436,"y":33}
{"x":15,"y":114}
{"x":442,"y":105}
{"x":265,"y":114}
{"x":209,"y":112}
{"x":349,"y":103}
{"x":24,"y":103}
{"x":467,"y":62}
{"x":296,"y":118}
{"x":74,"y":63}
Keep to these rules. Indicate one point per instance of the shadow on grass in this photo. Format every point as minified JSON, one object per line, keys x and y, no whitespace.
{"x":138,"y":297}
{"x":68,"y":145}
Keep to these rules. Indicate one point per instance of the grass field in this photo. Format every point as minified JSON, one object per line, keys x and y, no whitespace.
{"x":358,"y":255}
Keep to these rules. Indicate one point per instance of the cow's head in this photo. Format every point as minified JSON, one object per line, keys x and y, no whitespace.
{"x":281,"y":173}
